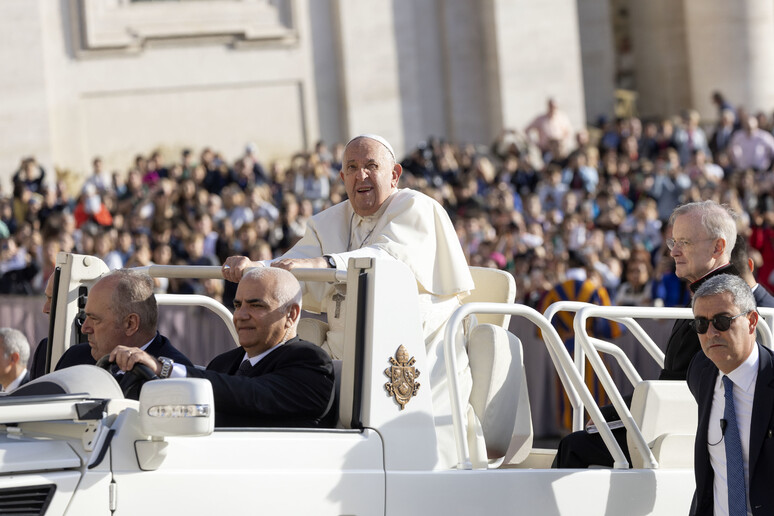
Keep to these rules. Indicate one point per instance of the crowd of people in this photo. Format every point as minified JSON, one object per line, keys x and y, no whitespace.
{"x":532,"y":203}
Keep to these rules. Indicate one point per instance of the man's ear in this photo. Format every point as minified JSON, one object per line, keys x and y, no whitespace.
{"x":14,"y":358}
{"x":720,"y":247}
{"x":397,"y":170}
{"x":131,"y":324}
{"x":753,"y":321}
{"x":294,"y":312}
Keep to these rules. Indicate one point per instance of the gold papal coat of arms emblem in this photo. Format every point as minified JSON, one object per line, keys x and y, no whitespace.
{"x":402,"y":385}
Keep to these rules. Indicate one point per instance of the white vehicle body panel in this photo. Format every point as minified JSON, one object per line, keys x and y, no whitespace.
{"x":382,"y":460}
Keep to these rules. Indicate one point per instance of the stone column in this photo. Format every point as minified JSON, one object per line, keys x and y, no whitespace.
{"x":661,"y":62}
{"x":535,"y":54}
{"x":371,"y":97}
{"x":24,"y":120}
{"x":731,"y":49}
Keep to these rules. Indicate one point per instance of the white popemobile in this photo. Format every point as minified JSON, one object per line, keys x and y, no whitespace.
{"x":70,"y":443}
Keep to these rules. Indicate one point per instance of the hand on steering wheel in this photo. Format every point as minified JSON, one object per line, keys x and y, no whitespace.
{"x":132,"y":381}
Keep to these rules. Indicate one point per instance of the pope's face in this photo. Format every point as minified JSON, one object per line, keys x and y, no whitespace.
{"x":369,"y":174}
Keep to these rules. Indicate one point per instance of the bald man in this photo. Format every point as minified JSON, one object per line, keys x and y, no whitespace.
{"x":380,"y":220}
{"x":274,"y":378}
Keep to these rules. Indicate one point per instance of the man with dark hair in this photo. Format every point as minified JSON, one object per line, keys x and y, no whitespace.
{"x":732,"y":382}
{"x":121,"y":310}
{"x":274,"y":378}
{"x":741,"y":261}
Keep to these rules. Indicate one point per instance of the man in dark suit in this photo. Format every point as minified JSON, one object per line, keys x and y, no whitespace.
{"x":274,"y":379}
{"x":38,"y":364}
{"x":745,"y":267}
{"x":121,"y":310}
{"x":14,"y":354}
{"x":703,"y":236}
{"x":733,"y":383}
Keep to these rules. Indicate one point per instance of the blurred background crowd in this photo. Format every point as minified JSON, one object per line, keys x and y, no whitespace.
{"x":547,"y":203}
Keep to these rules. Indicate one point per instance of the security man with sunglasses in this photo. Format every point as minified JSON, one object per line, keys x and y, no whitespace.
{"x":733,"y":383}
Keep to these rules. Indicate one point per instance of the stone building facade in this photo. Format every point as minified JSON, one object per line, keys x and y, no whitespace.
{"x":122,"y":77}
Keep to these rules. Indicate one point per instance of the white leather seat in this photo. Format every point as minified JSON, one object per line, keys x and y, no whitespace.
{"x":666,"y":414}
{"x":492,"y":286}
{"x":313,"y":330}
{"x":499,"y":395}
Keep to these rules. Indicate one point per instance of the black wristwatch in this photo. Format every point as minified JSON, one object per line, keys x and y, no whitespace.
{"x":166,"y":367}
{"x":331,"y":261}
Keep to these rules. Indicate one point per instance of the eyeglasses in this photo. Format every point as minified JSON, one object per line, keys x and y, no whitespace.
{"x":720,"y":322}
{"x":683,"y":243}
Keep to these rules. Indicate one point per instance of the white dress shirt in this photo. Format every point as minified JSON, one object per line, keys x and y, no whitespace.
{"x":744,"y":378}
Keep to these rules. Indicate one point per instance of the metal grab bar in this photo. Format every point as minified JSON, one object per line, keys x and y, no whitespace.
{"x":199,"y":300}
{"x":216,"y":272}
{"x":562,"y":362}
{"x":632,"y":325}
{"x":622,"y":313}
{"x":623,"y":361}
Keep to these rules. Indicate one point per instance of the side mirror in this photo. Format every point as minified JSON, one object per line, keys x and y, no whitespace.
{"x":177,"y":407}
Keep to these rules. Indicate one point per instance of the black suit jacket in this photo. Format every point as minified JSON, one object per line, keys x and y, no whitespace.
{"x":762,"y":297}
{"x":290,"y":387}
{"x":159,"y":347}
{"x":38,"y":365}
{"x":683,"y":342}
{"x":702,"y":374}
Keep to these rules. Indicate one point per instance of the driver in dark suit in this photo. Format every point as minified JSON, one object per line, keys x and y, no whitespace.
{"x":121,"y":311}
{"x":273,"y":379}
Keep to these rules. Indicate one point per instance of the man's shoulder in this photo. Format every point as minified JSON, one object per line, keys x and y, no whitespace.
{"x":222,"y":362}
{"x":337,"y":210}
{"x":76,"y":355}
{"x":300,"y":348}
{"x":763,"y":298}
{"x":162,"y":347}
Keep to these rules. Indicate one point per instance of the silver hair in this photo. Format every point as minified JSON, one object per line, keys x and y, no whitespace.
{"x":133,"y":294}
{"x":718,"y":220}
{"x":738,"y":288}
{"x":14,"y":341}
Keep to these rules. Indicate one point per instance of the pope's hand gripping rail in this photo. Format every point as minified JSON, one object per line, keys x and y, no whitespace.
{"x":571,"y":380}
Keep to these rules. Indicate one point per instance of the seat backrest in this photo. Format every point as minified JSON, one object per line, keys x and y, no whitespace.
{"x":661,"y":408}
{"x":499,"y":395}
{"x":313,"y":330}
{"x":492,"y":286}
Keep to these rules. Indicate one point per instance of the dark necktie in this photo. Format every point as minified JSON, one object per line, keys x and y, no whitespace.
{"x":737,"y":495}
{"x":244,"y":368}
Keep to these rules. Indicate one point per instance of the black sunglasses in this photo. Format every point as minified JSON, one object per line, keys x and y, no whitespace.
{"x":720,"y":322}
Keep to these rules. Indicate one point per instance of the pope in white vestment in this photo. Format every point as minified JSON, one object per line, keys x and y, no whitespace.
{"x":404,"y":225}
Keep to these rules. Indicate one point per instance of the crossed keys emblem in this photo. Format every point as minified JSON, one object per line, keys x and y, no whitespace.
{"x":402,"y":374}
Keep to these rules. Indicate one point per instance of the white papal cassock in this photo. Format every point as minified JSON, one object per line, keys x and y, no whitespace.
{"x":415,"y":229}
